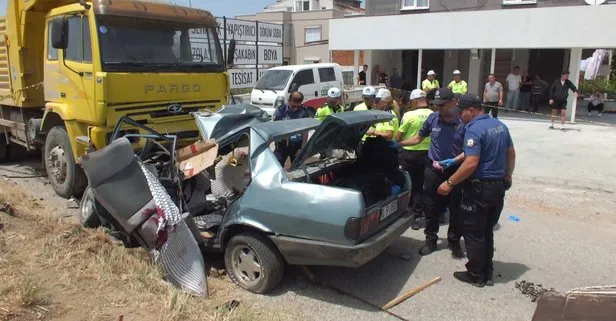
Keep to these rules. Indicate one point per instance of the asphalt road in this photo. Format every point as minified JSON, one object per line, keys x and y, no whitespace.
{"x":563,"y":194}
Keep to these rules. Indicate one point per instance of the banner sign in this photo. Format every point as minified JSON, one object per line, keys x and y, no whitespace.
{"x":242,"y":30}
{"x":244,"y":78}
{"x":268,"y":55}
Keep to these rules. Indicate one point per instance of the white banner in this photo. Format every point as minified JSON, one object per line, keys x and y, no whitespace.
{"x":244,"y":78}
{"x":269,"y":32}
{"x":242,"y":30}
{"x":268,"y":55}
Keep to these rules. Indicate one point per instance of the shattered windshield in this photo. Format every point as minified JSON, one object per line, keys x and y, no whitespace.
{"x":141,"y":44}
{"x":274,"y":79}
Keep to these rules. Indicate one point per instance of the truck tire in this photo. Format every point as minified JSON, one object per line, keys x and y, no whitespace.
{"x":66,"y":177}
{"x":5,"y":148}
{"x":253,"y":262}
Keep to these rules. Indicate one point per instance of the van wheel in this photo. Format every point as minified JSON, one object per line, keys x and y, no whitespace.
{"x":5,"y":148}
{"x":253,"y":262}
{"x":65,"y":176}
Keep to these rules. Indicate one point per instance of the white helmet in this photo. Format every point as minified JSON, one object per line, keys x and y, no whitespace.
{"x":431,"y":73}
{"x":383,"y":94}
{"x":418,"y":93}
{"x":368,"y":92}
{"x":456,"y":72}
{"x":334,"y":93}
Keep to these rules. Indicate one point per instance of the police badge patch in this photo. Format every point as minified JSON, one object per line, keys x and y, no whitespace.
{"x":470,"y":142}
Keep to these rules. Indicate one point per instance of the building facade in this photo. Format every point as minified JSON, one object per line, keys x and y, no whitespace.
{"x":477,"y":37}
{"x":306,"y":25}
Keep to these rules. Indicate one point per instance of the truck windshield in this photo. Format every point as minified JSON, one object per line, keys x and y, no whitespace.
{"x":141,"y":44}
{"x":274,"y":79}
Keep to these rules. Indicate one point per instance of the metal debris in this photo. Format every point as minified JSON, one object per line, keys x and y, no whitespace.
{"x":7,"y":208}
{"x":72,"y":204}
{"x":532,"y":290}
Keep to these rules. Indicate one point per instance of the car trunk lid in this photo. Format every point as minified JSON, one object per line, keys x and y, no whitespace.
{"x":230,"y":122}
{"x":340,"y":131}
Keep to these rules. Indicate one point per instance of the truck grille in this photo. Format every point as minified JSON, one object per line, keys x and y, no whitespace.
{"x":161,"y":110}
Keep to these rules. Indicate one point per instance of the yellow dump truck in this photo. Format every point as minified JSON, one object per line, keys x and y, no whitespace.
{"x":70,"y":69}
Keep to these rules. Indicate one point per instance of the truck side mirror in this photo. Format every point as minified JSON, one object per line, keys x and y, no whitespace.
{"x":59,"y":33}
{"x":231,"y":53}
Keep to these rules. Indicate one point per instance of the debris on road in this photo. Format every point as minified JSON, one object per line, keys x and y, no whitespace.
{"x":591,"y":303}
{"x":410,"y":293}
{"x":532,"y":290}
{"x":7,"y":208}
{"x":72,"y":203}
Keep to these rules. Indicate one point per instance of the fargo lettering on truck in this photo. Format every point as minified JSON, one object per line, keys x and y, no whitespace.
{"x":172,"y":88}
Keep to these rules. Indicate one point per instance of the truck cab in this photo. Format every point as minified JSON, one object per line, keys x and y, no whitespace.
{"x":90,"y":63}
{"x":312,"y":80}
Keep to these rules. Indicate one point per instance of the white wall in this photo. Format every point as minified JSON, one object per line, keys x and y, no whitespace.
{"x":554,"y":27}
{"x":388,"y":59}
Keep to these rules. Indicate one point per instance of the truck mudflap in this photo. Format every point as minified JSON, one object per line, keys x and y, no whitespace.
{"x":584,"y":304}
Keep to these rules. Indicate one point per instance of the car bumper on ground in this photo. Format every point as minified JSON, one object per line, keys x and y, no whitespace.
{"x":308,"y":252}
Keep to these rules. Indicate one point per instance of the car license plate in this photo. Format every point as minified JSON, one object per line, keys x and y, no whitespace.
{"x":389,"y":209}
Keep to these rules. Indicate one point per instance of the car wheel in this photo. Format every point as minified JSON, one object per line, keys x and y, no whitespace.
{"x":5,"y":148}
{"x":66,"y":177}
{"x":253,"y":262}
{"x":88,"y":211}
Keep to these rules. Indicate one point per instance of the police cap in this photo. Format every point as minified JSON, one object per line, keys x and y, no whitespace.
{"x":469,"y":100}
{"x":442,"y":96}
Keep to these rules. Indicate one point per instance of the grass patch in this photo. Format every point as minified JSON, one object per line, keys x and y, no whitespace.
{"x":52,"y":269}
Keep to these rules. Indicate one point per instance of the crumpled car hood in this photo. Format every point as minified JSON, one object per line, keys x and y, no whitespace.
{"x":227,"y":123}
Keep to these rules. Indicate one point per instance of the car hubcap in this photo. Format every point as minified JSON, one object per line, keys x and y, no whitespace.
{"x":246,"y":265}
{"x":87,"y":209}
{"x":56,"y":164}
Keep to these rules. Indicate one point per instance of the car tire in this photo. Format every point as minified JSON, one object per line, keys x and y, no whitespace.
{"x":5,"y":148}
{"x":88,"y":210}
{"x":66,"y":177}
{"x":260,"y":256}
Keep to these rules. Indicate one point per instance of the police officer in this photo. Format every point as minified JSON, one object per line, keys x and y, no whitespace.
{"x":430,"y":85}
{"x":446,"y":131}
{"x":368,"y":94}
{"x":457,"y":85}
{"x":334,"y":104}
{"x":413,"y":158}
{"x":293,"y":109}
{"x":484,"y":176}
{"x":388,"y":129}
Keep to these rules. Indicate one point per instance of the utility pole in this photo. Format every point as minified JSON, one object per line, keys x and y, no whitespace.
{"x":190,"y":3}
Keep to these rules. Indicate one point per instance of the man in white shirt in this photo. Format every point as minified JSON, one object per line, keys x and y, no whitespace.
{"x":513,"y":88}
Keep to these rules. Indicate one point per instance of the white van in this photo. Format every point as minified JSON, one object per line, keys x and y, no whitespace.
{"x":312,"y":80}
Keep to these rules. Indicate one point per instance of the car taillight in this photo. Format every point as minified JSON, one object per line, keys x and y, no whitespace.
{"x":356,"y":227}
{"x":404,"y":200}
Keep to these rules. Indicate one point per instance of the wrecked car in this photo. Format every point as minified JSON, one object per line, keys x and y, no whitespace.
{"x":340,"y":210}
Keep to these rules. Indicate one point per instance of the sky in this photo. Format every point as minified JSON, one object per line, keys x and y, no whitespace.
{"x":219,"y":8}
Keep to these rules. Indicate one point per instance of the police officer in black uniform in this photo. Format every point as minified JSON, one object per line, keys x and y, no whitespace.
{"x":484,"y":176}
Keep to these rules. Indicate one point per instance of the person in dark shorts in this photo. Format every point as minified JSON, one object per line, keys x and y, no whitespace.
{"x":559,"y":92}
{"x":493,"y":96}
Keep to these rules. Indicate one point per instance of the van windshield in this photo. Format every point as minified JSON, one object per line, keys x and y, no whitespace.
{"x":274,"y":80}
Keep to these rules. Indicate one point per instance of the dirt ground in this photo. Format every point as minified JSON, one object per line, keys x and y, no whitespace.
{"x":53,"y":269}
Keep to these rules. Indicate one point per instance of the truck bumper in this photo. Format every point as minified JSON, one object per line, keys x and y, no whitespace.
{"x":307,"y":252}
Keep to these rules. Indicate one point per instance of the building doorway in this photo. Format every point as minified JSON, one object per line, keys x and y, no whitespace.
{"x":548,"y":62}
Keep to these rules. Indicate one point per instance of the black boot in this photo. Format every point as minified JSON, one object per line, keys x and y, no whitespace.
{"x":456,"y":250}
{"x":490,"y":278}
{"x":466,"y":277}
{"x":427,"y":248}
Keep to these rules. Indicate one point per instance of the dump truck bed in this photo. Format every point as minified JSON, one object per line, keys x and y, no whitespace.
{"x":5,"y":82}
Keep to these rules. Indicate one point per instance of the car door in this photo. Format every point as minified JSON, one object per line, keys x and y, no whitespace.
{"x":304,"y":81}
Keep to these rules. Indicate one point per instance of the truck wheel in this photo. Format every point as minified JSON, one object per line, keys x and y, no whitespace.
{"x":88,"y":210}
{"x":5,"y":148}
{"x":253,"y":262}
{"x":65,"y":176}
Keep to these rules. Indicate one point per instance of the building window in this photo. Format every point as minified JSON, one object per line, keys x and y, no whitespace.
{"x":415,"y":4}
{"x":514,"y":2}
{"x":302,"y":6}
{"x":312,"y":34}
